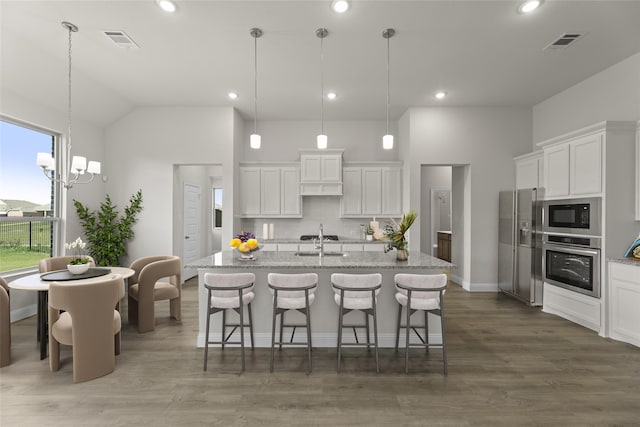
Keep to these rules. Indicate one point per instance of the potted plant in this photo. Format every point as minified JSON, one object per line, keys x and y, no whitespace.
{"x":107,"y":231}
{"x":78,"y":264}
{"x":395,"y":234}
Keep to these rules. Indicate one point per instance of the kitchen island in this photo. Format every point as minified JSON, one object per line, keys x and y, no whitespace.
{"x":324,"y":311}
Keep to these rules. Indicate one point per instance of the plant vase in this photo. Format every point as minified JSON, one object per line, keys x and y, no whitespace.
{"x":402,"y":255}
{"x":78,"y":268}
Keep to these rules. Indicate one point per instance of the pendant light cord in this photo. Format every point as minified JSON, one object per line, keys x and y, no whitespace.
{"x":255,"y":83}
{"x":322,"y":85}
{"x":69,"y":101}
{"x":388,"y":85}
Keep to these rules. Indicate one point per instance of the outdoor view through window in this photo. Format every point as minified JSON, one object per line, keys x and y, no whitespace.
{"x":26,"y":202}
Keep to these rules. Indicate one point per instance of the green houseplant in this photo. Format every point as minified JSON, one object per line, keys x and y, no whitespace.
{"x":395,"y":234}
{"x":106,"y":230}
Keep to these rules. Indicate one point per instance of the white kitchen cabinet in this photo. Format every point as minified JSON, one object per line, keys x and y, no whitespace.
{"x":374,"y":247}
{"x":321,"y":172}
{"x":556,"y":171}
{"x":372,"y":190}
{"x":285,"y":247}
{"x":638,"y":171}
{"x":270,"y":191}
{"x":352,"y":247}
{"x":268,"y":247}
{"x":585,"y":167}
{"x":529,"y":171}
{"x":624,"y":305}
{"x":250,"y":191}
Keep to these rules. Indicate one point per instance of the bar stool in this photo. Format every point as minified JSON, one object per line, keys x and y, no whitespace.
{"x":292,"y":292}
{"x":229,"y":291}
{"x":357,"y":292}
{"x":421,"y":292}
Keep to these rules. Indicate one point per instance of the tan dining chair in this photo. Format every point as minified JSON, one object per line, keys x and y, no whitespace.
{"x":59,"y":263}
{"x":5,"y":324}
{"x":89,"y":323}
{"x":145,"y":288}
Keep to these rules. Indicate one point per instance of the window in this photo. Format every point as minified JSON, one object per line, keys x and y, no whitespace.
{"x":217,"y":208}
{"x":27,"y":203}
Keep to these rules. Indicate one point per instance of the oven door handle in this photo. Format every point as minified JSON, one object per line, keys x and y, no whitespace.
{"x":571,"y":249}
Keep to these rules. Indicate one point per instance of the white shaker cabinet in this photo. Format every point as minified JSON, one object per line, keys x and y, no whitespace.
{"x":321,"y":172}
{"x":270,"y":191}
{"x":585,"y":167}
{"x":556,"y":171}
{"x":624,"y":306}
{"x":372,"y":189}
{"x":529,"y":171}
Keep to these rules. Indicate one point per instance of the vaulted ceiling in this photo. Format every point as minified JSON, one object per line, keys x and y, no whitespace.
{"x":483,"y":53}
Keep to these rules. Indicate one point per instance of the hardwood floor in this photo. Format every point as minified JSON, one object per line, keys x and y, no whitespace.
{"x":509,"y":365}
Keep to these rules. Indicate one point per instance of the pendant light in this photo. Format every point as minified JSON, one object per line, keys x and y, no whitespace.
{"x":255,"y":139}
{"x":322,"y":138}
{"x":78,"y":165}
{"x":387,"y":140}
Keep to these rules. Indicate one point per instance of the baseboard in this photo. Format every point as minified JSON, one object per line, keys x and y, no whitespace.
{"x":474,"y":287}
{"x":24,"y":312}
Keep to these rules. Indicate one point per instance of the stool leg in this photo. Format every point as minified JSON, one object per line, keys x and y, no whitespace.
{"x":408,"y":328}
{"x":251,"y":326}
{"x":398,"y":326}
{"x":366,"y":322}
{"x":340,"y":316}
{"x":308,"y":316}
{"x":426,"y":330}
{"x":206,"y":336}
{"x":375,"y":329}
{"x":224,"y":323}
{"x":444,"y":347}
{"x":273,"y":327}
{"x":281,"y":329}
{"x":241,"y":328}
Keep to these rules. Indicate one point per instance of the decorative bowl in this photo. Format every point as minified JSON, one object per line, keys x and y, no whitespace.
{"x":78,"y":268}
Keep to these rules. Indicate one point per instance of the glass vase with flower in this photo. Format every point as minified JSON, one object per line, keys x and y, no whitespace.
{"x":395,"y":235}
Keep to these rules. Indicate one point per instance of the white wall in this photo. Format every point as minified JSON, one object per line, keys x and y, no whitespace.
{"x":143,"y":148}
{"x":613,"y":94}
{"x":486,"y":139}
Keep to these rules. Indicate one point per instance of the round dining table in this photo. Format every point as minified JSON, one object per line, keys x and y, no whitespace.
{"x":35,"y":282}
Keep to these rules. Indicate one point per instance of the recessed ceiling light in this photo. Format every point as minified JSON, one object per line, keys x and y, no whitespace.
{"x":441,"y":95}
{"x":332,"y":95}
{"x":529,"y":6}
{"x":232,"y":95}
{"x":340,"y":6}
{"x":166,"y":5}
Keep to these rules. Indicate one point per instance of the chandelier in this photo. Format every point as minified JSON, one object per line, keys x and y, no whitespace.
{"x":78,"y":166}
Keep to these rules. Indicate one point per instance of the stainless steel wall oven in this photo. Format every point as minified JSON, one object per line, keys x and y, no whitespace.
{"x":572,"y":263}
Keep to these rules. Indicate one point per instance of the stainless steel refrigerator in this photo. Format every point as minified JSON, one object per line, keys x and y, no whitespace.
{"x":520,"y":245}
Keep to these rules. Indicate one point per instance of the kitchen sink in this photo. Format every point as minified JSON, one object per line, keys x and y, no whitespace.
{"x":316,"y":253}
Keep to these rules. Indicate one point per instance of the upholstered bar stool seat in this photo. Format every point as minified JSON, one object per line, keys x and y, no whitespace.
{"x":229,"y":292}
{"x":292,"y":292}
{"x":420,"y":292}
{"x":357,"y":292}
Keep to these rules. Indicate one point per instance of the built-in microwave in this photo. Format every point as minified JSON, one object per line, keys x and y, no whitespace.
{"x":573,"y":216}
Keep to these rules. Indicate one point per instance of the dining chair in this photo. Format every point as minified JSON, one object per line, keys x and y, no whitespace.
{"x":229,"y":292}
{"x":59,"y":263}
{"x":5,"y":324}
{"x":89,"y":323}
{"x":145,"y":288}
{"x":357,"y":292}
{"x":292,"y":292}
{"x":420,"y":292}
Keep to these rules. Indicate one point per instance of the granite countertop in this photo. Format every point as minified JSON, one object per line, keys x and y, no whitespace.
{"x":629,"y":261}
{"x":351,"y":260}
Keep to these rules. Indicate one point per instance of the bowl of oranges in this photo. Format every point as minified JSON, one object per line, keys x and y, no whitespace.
{"x":246,"y":243}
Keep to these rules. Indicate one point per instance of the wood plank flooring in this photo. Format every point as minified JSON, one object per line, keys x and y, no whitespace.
{"x":509,"y":365}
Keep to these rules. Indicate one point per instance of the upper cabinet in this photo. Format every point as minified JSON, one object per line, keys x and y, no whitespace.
{"x":268,"y":191}
{"x":372,"y":189}
{"x":529,"y":171}
{"x":638,"y":171}
{"x":575,"y":164}
{"x":321,"y":172}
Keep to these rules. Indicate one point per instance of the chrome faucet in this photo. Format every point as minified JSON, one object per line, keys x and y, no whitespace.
{"x":321,"y":239}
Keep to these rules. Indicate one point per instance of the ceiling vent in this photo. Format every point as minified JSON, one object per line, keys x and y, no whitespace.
{"x":121,"y":39}
{"x":564,"y":41}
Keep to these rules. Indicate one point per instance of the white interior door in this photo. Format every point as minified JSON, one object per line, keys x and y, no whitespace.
{"x":191,"y":248}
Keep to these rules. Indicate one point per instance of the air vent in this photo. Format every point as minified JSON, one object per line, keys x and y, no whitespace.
{"x":121,"y":39}
{"x":564,"y":41}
